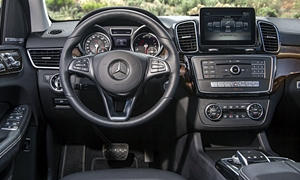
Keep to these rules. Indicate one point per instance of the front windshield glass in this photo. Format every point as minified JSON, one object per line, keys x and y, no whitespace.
{"x":75,"y":9}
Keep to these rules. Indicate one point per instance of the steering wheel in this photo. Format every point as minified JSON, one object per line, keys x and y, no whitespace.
{"x":119,"y":75}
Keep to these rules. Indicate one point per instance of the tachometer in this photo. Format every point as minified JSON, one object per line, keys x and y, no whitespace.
{"x":97,"y":43}
{"x":146,"y":43}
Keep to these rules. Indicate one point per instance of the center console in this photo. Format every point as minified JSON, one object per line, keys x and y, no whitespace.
{"x":232,"y":76}
{"x":252,"y":164}
{"x":233,"y":89}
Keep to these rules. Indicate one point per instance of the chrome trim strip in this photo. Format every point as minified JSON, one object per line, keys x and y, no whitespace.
{"x":262,"y":38}
{"x":177,"y":39}
{"x":271,"y":81}
{"x":245,"y":162}
{"x":41,"y":67}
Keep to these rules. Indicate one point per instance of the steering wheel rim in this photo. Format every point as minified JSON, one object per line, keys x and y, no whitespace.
{"x":171,"y":63}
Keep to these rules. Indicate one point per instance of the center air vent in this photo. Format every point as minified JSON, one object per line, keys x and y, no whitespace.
{"x":187,"y":36}
{"x":45,"y":58}
{"x":269,"y":36}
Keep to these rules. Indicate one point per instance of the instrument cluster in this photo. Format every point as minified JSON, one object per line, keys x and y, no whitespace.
{"x":137,"y":39}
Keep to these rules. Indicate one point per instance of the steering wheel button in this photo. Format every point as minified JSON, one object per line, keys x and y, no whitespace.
{"x":161,"y":69}
{"x":154,"y":70}
{"x":156,"y":66}
{"x":85,"y":69}
{"x":81,"y":65}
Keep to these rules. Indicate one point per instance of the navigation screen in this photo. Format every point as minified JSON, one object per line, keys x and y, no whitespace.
{"x":227,"y":26}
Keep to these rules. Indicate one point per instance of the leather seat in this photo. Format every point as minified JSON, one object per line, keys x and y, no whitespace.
{"x":125,"y":174}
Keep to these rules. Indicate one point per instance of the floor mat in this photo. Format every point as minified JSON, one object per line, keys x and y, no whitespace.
{"x":76,"y":158}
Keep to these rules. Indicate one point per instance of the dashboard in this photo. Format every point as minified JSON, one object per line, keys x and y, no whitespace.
{"x":229,"y":62}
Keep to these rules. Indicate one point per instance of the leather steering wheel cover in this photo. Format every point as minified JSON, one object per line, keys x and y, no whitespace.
{"x":74,"y":39}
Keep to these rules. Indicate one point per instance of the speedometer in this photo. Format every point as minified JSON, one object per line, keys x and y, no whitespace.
{"x":97,"y":43}
{"x":146,"y":43}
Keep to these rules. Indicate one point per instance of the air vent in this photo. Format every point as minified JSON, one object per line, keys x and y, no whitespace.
{"x":269,"y":36}
{"x":45,"y":58}
{"x":187,"y":36}
{"x":55,"y":31}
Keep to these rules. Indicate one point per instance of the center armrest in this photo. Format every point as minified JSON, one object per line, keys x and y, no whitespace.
{"x":270,"y":171}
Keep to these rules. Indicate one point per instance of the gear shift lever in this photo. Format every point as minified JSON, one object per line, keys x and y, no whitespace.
{"x":246,"y":157}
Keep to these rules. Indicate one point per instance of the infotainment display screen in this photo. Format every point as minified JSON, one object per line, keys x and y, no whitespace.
{"x":227,"y":26}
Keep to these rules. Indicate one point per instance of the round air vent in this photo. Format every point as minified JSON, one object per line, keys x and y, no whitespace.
{"x":55,"y":31}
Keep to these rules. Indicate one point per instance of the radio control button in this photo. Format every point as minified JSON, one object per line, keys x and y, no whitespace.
{"x":214,"y":84}
{"x":211,"y":67}
{"x":235,"y":70}
{"x":243,"y":107}
{"x":204,"y":62}
{"x":221,"y":84}
{"x":227,"y":84}
{"x":212,"y":72}
{"x":205,"y":72}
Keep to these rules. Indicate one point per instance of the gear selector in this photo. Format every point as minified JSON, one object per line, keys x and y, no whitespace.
{"x":246,"y":157}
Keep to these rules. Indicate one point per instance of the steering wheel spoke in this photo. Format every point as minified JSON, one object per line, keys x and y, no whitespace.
{"x":118,"y":108}
{"x":82,"y":66}
{"x":157,"y":67}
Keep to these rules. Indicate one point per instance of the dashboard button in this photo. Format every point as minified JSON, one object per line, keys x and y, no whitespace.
{"x":235,"y":70}
{"x":255,"y":111}
{"x":213,"y":112}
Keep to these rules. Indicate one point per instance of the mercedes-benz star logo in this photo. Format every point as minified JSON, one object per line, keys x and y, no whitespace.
{"x":119,"y":70}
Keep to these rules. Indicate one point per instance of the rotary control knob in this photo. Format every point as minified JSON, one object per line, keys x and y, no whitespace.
{"x":255,"y":111}
{"x":235,"y":70}
{"x":213,"y":112}
{"x":55,"y":83}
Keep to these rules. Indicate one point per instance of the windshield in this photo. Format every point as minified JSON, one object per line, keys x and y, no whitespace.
{"x":76,"y":9}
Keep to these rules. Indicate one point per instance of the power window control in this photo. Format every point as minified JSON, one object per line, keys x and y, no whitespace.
{"x":13,"y":119}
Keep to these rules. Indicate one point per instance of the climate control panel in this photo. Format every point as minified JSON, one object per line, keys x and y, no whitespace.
{"x":234,"y":111}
